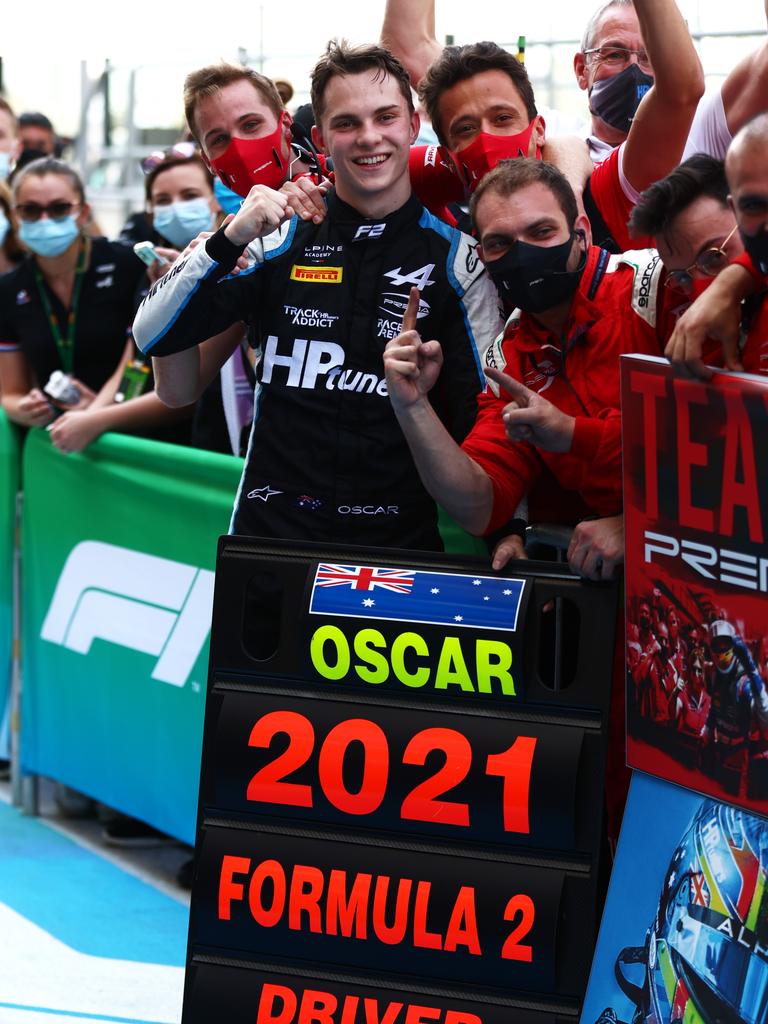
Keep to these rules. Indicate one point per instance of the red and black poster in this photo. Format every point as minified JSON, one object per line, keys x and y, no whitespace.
{"x":696,"y":498}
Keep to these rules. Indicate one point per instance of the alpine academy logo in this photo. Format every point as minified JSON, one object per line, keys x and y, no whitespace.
{"x":138,"y":601}
{"x":317,"y":275}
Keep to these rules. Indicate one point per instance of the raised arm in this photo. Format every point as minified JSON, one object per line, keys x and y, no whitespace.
{"x":663,"y":120}
{"x":745,"y":89}
{"x":451,"y":477}
{"x":408,"y":31}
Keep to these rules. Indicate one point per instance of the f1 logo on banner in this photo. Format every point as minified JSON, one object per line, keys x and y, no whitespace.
{"x":139,"y":601}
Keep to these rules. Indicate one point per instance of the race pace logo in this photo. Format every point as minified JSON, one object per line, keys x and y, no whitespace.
{"x":145,"y":603}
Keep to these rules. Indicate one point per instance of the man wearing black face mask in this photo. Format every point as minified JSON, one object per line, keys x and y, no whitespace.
{"x":578,"y":309}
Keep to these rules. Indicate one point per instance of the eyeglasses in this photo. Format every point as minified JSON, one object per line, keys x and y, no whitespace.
{"x":618,"y":56}
{"x":709,"y":262}
{"x":182,"y":151}
{"x":56,"y":211}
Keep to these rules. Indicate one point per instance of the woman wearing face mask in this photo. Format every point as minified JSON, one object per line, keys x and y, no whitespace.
{"x":68,"y":307}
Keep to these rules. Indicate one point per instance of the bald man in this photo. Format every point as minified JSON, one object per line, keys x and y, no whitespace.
{"x":717,"y":313}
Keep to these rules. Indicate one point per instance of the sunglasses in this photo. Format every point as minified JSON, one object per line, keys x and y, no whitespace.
{"x":182,"y":151}
{"x":58,"y":210}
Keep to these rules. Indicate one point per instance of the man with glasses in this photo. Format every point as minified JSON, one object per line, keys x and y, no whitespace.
{"x":695,"y":231}
{"x":718,"y":314}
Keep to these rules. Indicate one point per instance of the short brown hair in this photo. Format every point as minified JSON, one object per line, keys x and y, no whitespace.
{"x":458,"y":63}
{"x":342,"y":59}
{"x":173,"y":160}
{"x":49,"y":165}
{"x":207,"y":81}
{"x":509,"y":176}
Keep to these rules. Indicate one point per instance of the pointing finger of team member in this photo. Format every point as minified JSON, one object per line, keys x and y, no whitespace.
{"x":410,"y":316}
{"x":518,"y":392}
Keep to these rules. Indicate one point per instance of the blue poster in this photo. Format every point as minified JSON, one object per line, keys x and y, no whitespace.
{"x":684,"y":936}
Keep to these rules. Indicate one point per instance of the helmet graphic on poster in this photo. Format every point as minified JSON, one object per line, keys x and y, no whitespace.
{"x":705,"y":957}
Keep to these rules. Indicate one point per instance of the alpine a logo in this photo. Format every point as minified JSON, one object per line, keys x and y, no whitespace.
{"x":311,"y":364}
{"x":420,"y":278}
{"x":317,"y":275}
{"x":139,"y":601}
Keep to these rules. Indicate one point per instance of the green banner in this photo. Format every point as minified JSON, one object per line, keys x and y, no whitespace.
{"x":119,"y":548}
{"x":9,"y":485}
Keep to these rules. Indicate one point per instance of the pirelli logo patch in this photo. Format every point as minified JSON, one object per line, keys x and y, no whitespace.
{"x":320,"y":275}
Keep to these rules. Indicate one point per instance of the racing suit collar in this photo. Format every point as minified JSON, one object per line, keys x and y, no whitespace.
{"x":348,"y":221}
{"x":528,"y":335}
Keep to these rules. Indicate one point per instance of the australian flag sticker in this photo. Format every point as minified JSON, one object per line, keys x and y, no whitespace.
{"x":410,"y":595}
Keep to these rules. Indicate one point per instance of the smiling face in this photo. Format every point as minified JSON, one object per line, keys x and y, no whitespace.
{"x":367,"y":129}
{"x":487,"y":102}
{"x":237,"y":110}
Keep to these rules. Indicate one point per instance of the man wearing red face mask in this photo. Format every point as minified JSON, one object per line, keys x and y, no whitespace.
{"x":646,"y":117}
{"x":245,"y":134}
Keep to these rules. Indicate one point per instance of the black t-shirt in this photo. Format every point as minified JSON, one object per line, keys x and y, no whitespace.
{"x":104,"y":318}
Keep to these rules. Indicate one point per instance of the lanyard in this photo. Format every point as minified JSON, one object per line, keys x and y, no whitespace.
{"x":65,"y":344}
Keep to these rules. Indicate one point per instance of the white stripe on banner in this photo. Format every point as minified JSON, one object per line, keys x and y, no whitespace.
{"x":48,"y":982}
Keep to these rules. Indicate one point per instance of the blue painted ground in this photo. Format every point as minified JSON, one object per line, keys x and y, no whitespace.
{"x":81,"y":939}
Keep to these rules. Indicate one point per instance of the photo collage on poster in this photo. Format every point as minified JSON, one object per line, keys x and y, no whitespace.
{"x":684,"y":934}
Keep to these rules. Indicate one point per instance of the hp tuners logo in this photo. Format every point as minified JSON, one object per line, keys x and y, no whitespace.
{"x":139,"y":601}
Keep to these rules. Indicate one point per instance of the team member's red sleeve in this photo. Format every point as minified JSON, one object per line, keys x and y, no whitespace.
{"x":434,"y":178}
{"x":745,"y":260}
{"x":511,"y":468}
{"x":594,"y":470}
{"x":613,"y":203}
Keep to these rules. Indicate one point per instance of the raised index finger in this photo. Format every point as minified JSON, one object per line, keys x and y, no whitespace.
{"x":410,"y":315}
{"x":517,"y":391}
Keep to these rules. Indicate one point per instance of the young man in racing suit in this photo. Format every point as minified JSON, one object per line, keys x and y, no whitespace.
{"x":326,"y":460}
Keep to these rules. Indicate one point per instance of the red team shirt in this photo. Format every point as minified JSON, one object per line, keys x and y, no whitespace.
{"x":619,"y":308}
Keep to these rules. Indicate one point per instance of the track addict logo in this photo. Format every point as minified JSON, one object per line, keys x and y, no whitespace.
{"x":310,"y":363}
{"x":142,"y":602}
{"x":309,"y":317}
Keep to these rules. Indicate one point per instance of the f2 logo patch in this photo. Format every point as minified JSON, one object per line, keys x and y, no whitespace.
{"x":369,"y":231}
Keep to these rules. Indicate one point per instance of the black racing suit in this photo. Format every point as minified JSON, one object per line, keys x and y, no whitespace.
{"x":327,"y":460}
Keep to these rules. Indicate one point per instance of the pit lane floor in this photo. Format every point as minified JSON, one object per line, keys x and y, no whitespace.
{"x":88,"y":934}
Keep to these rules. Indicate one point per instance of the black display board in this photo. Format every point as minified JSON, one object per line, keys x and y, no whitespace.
{"x":401,"y":789}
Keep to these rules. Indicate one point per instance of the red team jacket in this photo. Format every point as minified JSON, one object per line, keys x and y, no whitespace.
{"x":619,"y":308}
